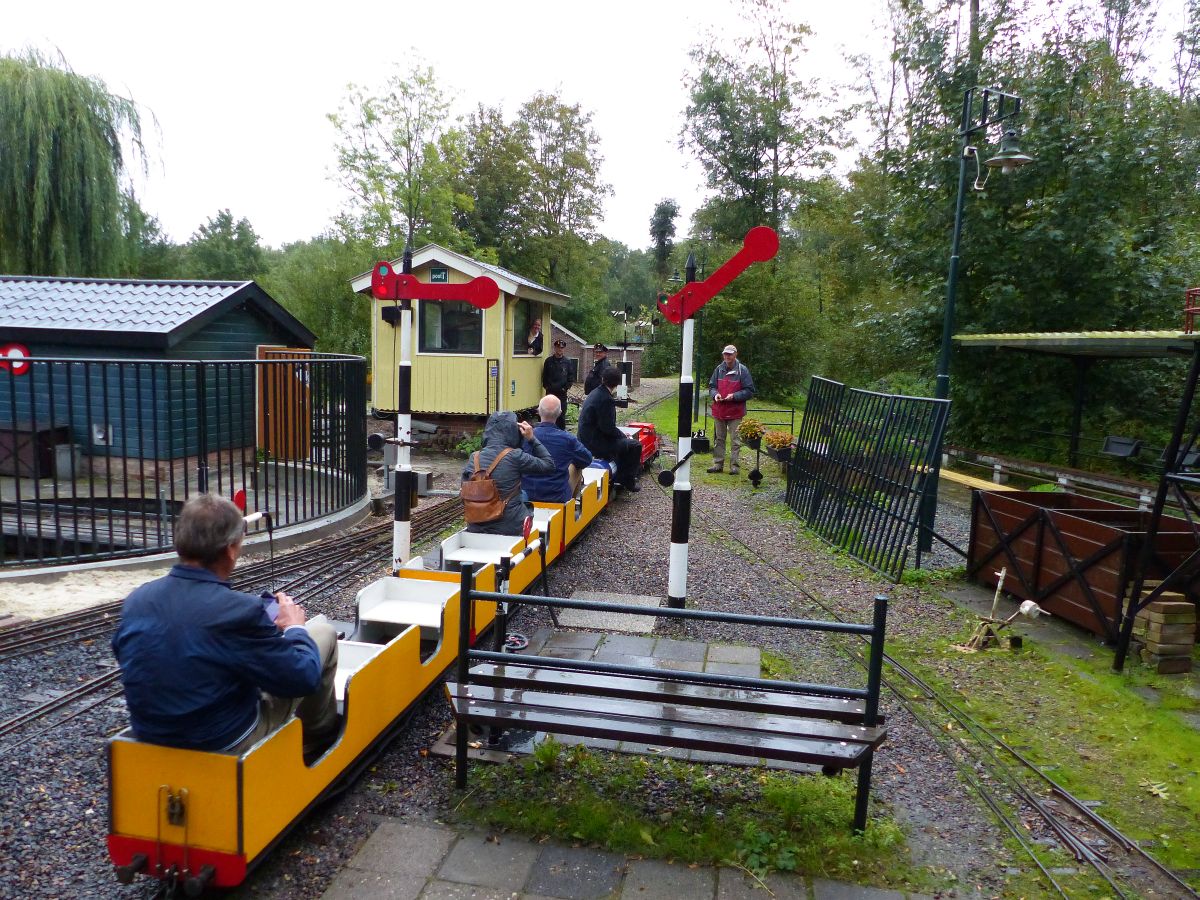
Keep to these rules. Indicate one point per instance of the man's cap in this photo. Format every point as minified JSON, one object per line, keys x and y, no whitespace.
{"x":600,"y":346}
{"x":560,"y":343}
{"x":729,"y":348}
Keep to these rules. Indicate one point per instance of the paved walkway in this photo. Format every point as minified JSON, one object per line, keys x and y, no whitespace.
{"x":434,"y":862}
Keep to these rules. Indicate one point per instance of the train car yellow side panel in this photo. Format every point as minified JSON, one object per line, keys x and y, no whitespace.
{"x":555,"y":526}
{"x":277,"y":784}
{"x":527,"y":570}
{"x":138,"y":771}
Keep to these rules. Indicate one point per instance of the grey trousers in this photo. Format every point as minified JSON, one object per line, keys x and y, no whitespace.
{"x":721,"y":427}
{"x":317,"y":712}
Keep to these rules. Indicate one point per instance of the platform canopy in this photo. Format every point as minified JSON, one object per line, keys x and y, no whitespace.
{"x":1091,"y":344}
{"x":1085,"y":348}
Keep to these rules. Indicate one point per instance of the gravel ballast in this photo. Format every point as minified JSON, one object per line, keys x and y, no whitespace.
{"x":53,"y":809}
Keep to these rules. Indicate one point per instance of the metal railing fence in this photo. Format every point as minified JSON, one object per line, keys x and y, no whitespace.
{"x":862,"y":464}
{"x":97,"y":456}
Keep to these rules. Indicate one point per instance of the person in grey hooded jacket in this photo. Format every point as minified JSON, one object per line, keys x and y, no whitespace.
{"x":504,"y":431}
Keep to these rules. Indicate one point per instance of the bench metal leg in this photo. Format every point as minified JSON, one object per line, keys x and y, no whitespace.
{"x":863,"y":795}
{"x":460,"y":753}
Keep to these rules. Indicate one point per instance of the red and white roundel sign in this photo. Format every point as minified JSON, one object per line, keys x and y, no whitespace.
{"x":12,"y":358}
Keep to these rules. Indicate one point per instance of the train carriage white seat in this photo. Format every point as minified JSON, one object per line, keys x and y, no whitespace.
{"x":352,"y":656}
{"x":406,"y":601}
{"x":466,"y":546}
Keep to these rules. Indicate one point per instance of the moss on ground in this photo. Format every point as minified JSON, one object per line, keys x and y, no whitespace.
{"x":659,"y":807}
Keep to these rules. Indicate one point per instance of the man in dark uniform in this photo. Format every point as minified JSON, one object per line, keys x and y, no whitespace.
{"x":556,"y":378}
{"x":598,"y":369}
{"x":598,"y":432}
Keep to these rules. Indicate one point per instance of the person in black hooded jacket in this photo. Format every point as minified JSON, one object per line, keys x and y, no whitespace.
{"x":504,"y":431}
{"x":598,"y":432}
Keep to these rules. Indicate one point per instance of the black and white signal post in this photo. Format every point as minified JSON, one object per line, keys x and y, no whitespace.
{"x":388,"y":284}
{"x":759,"y":245}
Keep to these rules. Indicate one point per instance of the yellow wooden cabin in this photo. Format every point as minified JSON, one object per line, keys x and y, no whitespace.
{"x":466,"y":361}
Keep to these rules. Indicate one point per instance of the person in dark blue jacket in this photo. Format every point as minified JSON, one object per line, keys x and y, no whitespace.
{"x":204,"y":666}
{"x":599,"y":432}
{"x":566,"y":451}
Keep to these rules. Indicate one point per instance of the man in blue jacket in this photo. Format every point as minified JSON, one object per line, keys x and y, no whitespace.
{"x":566,"y":451}
{"x":204,"y":666}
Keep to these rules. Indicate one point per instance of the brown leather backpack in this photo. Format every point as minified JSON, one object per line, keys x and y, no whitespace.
{"x":481,"y":498}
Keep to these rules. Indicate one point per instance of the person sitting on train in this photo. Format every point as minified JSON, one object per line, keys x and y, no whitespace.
{"x":569,"y":455}
{"x":204,"y":666}
{"x":503,"y":432}
{"x":599,"y":432}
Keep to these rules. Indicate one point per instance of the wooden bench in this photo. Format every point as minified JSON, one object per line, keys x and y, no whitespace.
{"x":828,"y":726}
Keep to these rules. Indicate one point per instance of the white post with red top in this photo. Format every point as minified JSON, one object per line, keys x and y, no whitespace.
{"x":759,"y":245}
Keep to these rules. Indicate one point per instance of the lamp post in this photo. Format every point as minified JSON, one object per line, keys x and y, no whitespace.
{"x":995,"y":108}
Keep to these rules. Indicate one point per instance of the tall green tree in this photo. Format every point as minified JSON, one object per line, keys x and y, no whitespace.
{"x":397,"y":158}
{"x":756,"y":127}
{"x":662,"y":233}
{"x":496,"y":176}
{"x":566,"y":193}
{"x":63,"y":170}
{"x":224,"y":249}
{"x":312,"y":280}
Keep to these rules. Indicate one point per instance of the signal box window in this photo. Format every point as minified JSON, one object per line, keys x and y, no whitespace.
{"x":527,"y":340}
{"x":449,"y":327}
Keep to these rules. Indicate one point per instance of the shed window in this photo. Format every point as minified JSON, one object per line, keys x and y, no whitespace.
{"x":526,"y":341}
{"x":449,"y":327}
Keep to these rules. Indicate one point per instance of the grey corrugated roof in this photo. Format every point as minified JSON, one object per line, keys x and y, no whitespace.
{"x":104,"y":305}
{"x":519,"y":279}
{"x":160,"y":312}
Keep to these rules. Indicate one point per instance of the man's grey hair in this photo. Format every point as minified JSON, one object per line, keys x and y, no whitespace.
{"x":206,"y":526}
{"x":549,"y":408}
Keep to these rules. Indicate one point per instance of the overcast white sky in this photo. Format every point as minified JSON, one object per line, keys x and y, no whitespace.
{"x":241,"y":90}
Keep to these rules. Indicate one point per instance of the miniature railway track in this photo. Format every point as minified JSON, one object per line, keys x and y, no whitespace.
{"x":347,"y":556}
{"x":317,"y":571}
{"x":987,"y":749}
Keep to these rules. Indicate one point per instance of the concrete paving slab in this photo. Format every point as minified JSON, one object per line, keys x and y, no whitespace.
{"x":669,"y":648}
{"x":503,"y":862}
{"x":576,"y":873}
{"x":653,"y":750}
{"x":679,"y":665}
{"x":615,"y":645}
{"x":537,"y":640}
{"x":398,"y":848}
{"x":592,"y":743}
{"x":573,"y":640}
{"x":567,"y":653}
{"x":733,"y":884}
{"x":354,"y":884}
{"x":734,"y":653}
{"x":743,"y":670}
{"x":449,"y":890}
{"x":709,"y":758}
{"x":621,"y":622}
{"x":823,"y":889}
{"x":653,"y":879}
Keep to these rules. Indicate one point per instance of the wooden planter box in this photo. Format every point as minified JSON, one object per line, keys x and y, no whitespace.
{"x":1073,"y":555}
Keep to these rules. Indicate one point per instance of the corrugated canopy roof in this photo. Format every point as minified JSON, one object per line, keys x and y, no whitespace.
{"x":128,"y":312}
{"x":1097,"y":344}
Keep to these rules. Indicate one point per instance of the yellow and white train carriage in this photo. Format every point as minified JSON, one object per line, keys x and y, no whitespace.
{"x":205,"y":819}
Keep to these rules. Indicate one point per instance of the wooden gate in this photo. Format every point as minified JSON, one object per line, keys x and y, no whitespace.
{"x":284,"y":403}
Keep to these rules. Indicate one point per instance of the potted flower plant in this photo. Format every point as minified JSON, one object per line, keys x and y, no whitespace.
{"x":750,"y":430}
{"x":779,"y":444}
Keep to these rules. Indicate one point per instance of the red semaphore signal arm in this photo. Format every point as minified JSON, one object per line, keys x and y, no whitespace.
{"x":388,"y":284}
{"x":759,"y":245}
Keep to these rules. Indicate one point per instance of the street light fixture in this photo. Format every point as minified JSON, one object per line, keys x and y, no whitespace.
{"x":996,"y":107}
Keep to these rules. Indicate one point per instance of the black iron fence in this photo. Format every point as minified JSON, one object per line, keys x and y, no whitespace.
{"x":862,"y":463}
{"x":97,"y":456}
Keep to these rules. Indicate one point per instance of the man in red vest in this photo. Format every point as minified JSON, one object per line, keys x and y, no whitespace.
{"x":731,"y":386}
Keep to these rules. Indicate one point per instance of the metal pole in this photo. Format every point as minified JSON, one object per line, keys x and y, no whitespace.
{"x":681,"y":496}
{"x":942,"y":387}
{"x":403,"y":480}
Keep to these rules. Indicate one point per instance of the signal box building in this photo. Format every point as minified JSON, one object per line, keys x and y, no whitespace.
{"x":466,"y":361}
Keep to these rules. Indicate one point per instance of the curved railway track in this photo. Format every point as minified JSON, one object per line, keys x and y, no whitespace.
{"x":334,"y":563}
{"x":990,"y":752}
